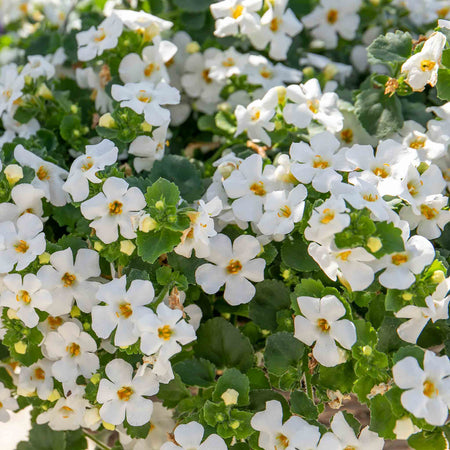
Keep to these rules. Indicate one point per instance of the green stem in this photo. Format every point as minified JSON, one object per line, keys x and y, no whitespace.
{"x":161,"y":295}
{"x":96,"y":441}
{"x":308,"y":383}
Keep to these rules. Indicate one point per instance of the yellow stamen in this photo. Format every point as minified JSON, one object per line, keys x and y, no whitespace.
{"x":115,"y":208}
{"x":319,"y":163}
{"x":234,"y":266}
{"x":125,"y":310}
{"x":150,"y":69}
{"x":313,"y":106}
{"x":237,"y":12}
{"x":87,"y":164}
{"x":282,"y":442}
{"x":23,"y":296}
{"x":67,"y":411}
{"x":100,"y":36}
{"x":429,"y":389}
{"x":258,"y":188}
{"x":347,"y":135}
{"x":332,"y":16}
{"x":265,"y":73}
{"x":165,"y":332}
{"x":39,"y":373}
{"x":54,"y":322}
{"x":21,"y":246}
{"x":399,"y":259}
{"x":328,"y":216}
{"x":68,"y":279}
{"x":426,"y":65}
{"x":323,"y":325}
{"x":205,"y":76}
{"x":73,"y":349}
{"x":256,"y":115}
{"x":229,"y":62}
{"x":285,"y":211}
{"x":275,"y":24}
{"x":124,"y":393}
{"x":42,"y":173}
{"x":427,"y":212}
{"x":370,"y":197}
{"x":343,"y":256}
{"x":143,"y":96}
{"x":418,"y":143}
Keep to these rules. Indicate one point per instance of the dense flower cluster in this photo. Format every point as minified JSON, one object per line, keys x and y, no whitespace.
{"x":217,"y":218}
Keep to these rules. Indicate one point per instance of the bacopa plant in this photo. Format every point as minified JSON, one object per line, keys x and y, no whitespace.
{"x":224,"y":225}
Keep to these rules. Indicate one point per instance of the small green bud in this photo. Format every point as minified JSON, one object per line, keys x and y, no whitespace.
{"x":159,"y":205}
{"x":367,"y":350}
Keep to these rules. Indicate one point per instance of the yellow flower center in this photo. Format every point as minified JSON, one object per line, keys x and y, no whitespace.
{"x":100,"y":36}
{"x":23,"y":296}
{"x":256,"y":115}
{"x":328,"y":216}
{"x":313,"y":106}
{"x":87,"y":164}
{"x":426,"y":65}
{"x":418,"y":143}
{"x":21,"y":246}
{"x":68,"y":279}
{"x":265,"y":73}
{"x":150,"y":69}
{"x":370,"y":197}
{"x":73,"y":349}
{"x":124,"y":393}
{"x":332,"y":16}
{"x":343,"y":256}
{"x":413,"y":189}
{"x":347,"y":135}
{"x":206,"y":77}
{"x":427,"y":212}
{"x":125,"y":310}
{"x":144,"y":96}
{"x":443,"y":11}
{"x":323,"y":325}
{"x":381,"y":171}
{"x":399,"y":258}
{"x":115,"y":208}
{"x":165,"y":332}
{"x":229,"y":62}
{"x":285,"y":211}
{"x":282,"y":442}
{"x":237,"y":12}
{"x":429,"y":389}
{"x":275,"y":24}
{"x":7,"y":93}
{"x":54,"y":322}
{"x":39,"y":373}
{"x":349,"y":447}
{"x":258,"y":188}
{"x":234,"y":266}
{"x":319,"y":163}
{"x":42,"y":173}
{"x":66,"y":411}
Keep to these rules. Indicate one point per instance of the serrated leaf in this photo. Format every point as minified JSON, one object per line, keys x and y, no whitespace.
{"x":196,"y":372}
{"x":233,"y":379}
{"x":153,"y":244}
{"x":302,"y":405}
{"x":283,"y":351}
{"x":164,"y":191}
{"x":426,"y":440}
{"x":390,"y":48}
{"x":382,"y":419}
{"x":443,"y":84}
{"x":294,"y":253}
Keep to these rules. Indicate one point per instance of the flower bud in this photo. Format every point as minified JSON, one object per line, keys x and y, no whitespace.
{"x":407,"y":296}
{"x":13,"y":173}
{"x":147,"y":224}
{"x":98,"y":246}
{"x":230,"y":397}
{"x":146,"y":127}
{"x":367,"y":350}
{"x":192,"y":47}
{"x":308,"y":72}
{"x":73,"y":109}
{"x":159,"y":205}
{"x":107,"y":121}
{"x":235,"y":424}
{"x":44,"y":92}
{"x":20,"y":347}
{"x":75,"y":311}
{"x":108,"y":426}
{"x":11,"y":313}
{"x":95,"y":379}
{"x":226,"y":169}
{"x":438,"y":277}
{"x":44,"y":258}
{"x":374,"y":244}
{"x":127,"y":247}
{"x":54,"y":396}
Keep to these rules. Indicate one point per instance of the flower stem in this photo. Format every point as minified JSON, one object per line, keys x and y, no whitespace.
{"x":97,"y":442}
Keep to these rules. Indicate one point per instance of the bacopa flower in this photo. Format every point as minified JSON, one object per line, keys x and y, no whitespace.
{"x":113,"y":209}
{"x":422,"y":68}
{"x":26,"y":198}
{"x":232,"y":266}
{"x":121,"y":310}
{"x":7,"y":403}
{"x":123,"y":395}
{"x":322,"y":325}
{"x":24,"y":295}
{"x":189,"y":437}
{"x":36,"y":378}
{"x":290,"y":435}
{"x":427,"y":393}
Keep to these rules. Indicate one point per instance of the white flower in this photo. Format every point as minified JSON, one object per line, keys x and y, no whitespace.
{"x":432,"y":218}
{"x":189,"y":437}
{"x":93,"y":42}
{"x":36,"y":378}
{"x":256,"y":117}
{"x":67,"y":414}
{"x":292,"y":434}
{"x":196,"y":237}
{"x":67,"y":280}
{"x":7,"y":403}
{"x":422,"y":68}
{"x":402,"y":266}
{"x":20,"y":243}
{"x":233,"y":266}
{"x":326,"y":220}
{"x":49,"y":177}
{"x":318,"y":162}
{"x":283,"y":210}
{"x":89,"y":79}
{"x":148,"y":149}
{"x":234,"y":15}
{"x":84,"y":169}
{"x":436,"y":309}
{"x":123,"y":395}
{"x":333,"y":17}
{"x":351,"y":265}
{"x":223,"y":65}
{"x":26,"y":198}
{"x":24,"y":296}
{"x":343,"y":437}
{"x":112,"y":209}
{"x":73,"y":351}
{"x":147,"y":98}
{"x":122,"y":309}
{"x":321,"y":325}
{"x":151,"y":66}
{"x":11,"y":85}
{"x":249,"y":186}
{"x":38,"y":66}
{"x":164,"y":332}
{"x":427,"y":394}
{"x":141,"y":21}
{"x":280,"y":26}
{"x":310,"y":103}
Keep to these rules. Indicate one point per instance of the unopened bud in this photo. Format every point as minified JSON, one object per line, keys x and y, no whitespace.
{"x":11,"y":313}
{"x":146,"y":127}
{"x":75,"y":311}
{"x":407,"y":296}
{"x":159,"y":205}
{"x":95,"y":379}
{"x":230,"y":397}
{"x":127,"y":247}
{"x":73,"y":109}
{"x":108,"y":426}
{"x":235,"y":424}
{"x":438,"y":276}
{"x":20,"y":347}
{"x":44,"y":258}
{"x":367,"y":350}
{"x":98,"y":246}
{"x":44,"y":92}
{"x":54,"y":396}
{"x":13,"y":173}
{"x":422,"y":167}
{"x":374,"y":244}
{"x":107,"y":121}
{"x":281,"y":91}
{"x":329,"y":72}
{"x":147,"y":224}
{"x":308,"y":72}
{"x":193,"y":47}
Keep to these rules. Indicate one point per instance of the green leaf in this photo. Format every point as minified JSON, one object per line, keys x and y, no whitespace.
{"x":41,"y":437}
{"x":283,"y":351}
{"x":196,"y":372}
{"x":391,"y":238}
{"x":390,"y":48}
{"x":68,"y":126}
{"x":164,"y":191}
{"x":76,"y":440}
{"x":271,"y":296}
{"x":340,"y":377}
{"x":443,"y":84}
{"x":192,"y":5}
{"x":259,"y":397}
{"x":426,"y":440}
{"x":24,"y":114}
{"x":294,"y":253}
{"x":379,"y":114}
{"x":137,"y":432}
{"x":224,"y":345}
{"x":302,"y":405}
{"x":258,"y":379}
{"x":382,"y":419}
{"x":183,"y":173}
{"x":153,"y":244}
{"x":172,"y":393}
{"x":225,"y":122}
{"x":233,"y":379}
{"x":445,"y":60}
